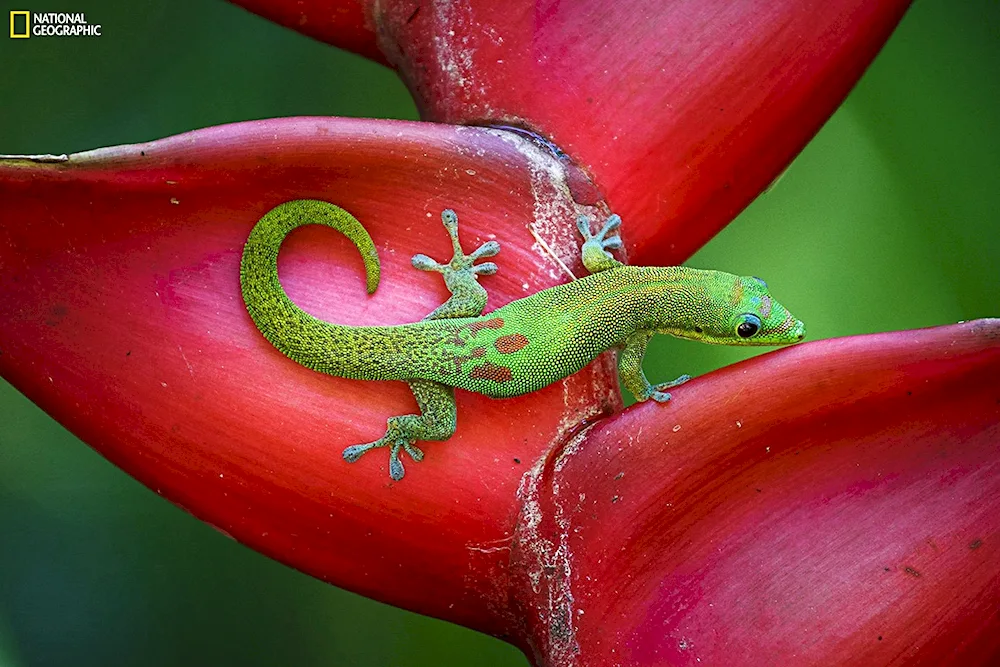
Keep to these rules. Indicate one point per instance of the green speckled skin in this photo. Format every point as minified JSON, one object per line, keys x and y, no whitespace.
{"x":519,"y":348}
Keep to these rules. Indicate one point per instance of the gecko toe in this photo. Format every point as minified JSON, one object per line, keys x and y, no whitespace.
{"x":415,"y":452}
{"x":396,"y":470}
{"x":485,"y":269}
{"x":450,"y":220}
{"x":673,"y":383}
{"x":488,"y":249}
{"x":354,"y":452}
{"x":613,"y":243}
{"x":613,"y":222}
{"x":425,"y":263}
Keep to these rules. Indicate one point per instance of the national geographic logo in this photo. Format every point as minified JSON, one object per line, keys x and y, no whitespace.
{"x":25,"y":24}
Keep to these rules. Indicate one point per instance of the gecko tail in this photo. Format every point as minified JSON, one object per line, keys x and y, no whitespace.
{"x":260,"y":255}
{"x":294,"y":332}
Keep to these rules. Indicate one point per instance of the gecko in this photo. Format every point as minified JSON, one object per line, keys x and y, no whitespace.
{"x":519,"y":348}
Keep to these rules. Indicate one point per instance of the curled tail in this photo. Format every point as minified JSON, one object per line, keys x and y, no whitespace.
{"x":294,"y":332}
{"x":259,"y":268}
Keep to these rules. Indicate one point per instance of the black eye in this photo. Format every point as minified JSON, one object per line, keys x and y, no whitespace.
{"x":749,"y":325}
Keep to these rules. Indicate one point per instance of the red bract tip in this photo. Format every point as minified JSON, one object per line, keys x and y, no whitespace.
{"x":343,"y":23}
{"x":681,"y":112}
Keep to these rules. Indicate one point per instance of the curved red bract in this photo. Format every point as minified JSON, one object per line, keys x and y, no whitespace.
{"x":122,"y":317}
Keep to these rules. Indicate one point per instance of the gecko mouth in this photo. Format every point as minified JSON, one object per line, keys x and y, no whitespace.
{"x":799,"y":332}
{"x":791,"y":331}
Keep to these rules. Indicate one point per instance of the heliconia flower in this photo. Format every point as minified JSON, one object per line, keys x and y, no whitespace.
{"x":831,"y":503}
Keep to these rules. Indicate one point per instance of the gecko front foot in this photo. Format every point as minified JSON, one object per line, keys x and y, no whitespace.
{"x":595,"y":246}
{"x":461,"y":274}
{"x":460,"y":262}
{"x":657,"y":392}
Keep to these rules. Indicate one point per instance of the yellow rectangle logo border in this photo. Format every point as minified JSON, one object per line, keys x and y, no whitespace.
{"x":27,"y":24}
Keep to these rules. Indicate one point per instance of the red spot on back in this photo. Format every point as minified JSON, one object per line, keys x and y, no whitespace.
{"x":510,"y":343}
{"x":493,"y":372}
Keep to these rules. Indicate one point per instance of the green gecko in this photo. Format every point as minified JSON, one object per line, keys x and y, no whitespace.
{"x":517,"y":349}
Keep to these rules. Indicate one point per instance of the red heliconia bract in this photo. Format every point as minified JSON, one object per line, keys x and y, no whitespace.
{"x":681,"y":111}
{"x":833,"y":503}
{"x":123,"y":318}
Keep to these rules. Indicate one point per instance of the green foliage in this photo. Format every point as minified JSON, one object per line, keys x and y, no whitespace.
{"x":888,"y":220}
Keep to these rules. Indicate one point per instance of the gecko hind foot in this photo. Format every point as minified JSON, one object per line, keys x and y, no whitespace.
{"x":596,"y":246}
{"x":396,"y":445}
{"x":436,"y":421}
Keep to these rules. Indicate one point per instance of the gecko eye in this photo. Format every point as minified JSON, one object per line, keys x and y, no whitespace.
{"x":748,"y":326}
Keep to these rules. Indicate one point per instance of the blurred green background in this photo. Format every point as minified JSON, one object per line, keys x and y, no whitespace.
{"x":890,"y":219}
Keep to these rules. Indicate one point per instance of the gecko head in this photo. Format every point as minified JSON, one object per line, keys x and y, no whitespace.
{"x":738,"y":310}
